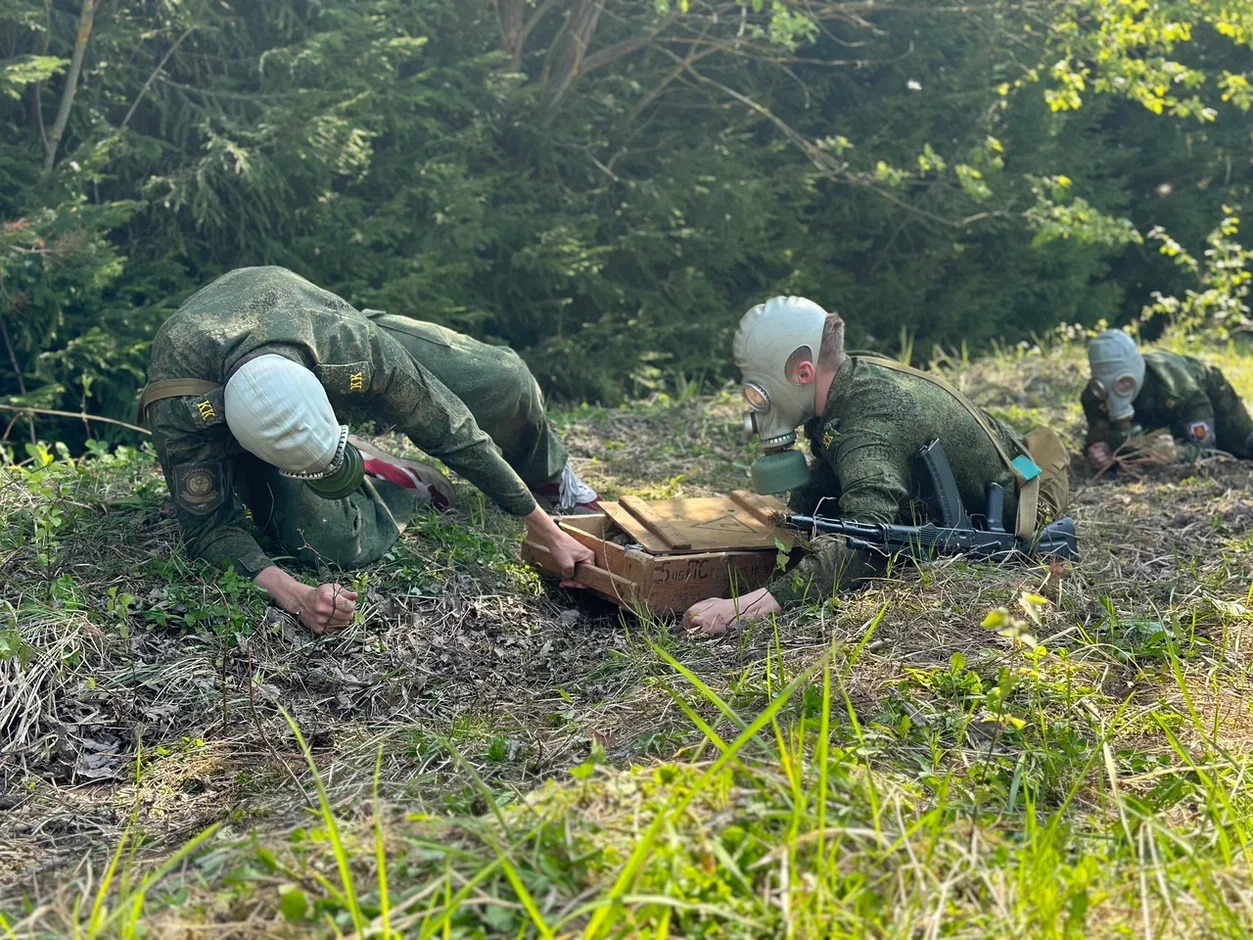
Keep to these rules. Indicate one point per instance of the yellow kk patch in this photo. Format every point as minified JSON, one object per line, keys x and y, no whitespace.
{"x":828,"y":439}
{"x":356,"y":382}
{"x":205,"y":408}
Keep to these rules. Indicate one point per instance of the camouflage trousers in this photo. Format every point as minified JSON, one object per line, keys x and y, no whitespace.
{"x":499,"y":391}
{"x":1233,"y":428}
{"x":332,"y":533}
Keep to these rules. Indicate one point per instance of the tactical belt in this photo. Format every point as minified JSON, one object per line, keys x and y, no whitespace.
{"x":171,"y":388}
{"x":1028,"y":490}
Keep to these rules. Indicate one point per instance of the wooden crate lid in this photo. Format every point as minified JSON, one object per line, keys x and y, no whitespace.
{"x":739,"y":520}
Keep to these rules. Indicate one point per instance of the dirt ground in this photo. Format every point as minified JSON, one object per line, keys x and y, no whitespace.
{"x":111,"y":721}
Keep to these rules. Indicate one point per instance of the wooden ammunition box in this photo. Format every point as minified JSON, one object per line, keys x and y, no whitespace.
{"x":678,"y":552}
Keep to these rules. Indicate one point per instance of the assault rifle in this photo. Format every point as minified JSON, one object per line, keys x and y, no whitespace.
{"x":955,"y":532}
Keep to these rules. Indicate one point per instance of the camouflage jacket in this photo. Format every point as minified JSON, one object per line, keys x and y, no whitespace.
{"x":1175,"y":397}
{"x":864,"y":444}
{"x":367,"y":376}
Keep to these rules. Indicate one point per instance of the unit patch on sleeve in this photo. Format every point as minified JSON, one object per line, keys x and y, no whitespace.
{"x":830,"y":431}
{"x":344,"y":378}
{"x":1200,"y":432}
{"x":206,"y":410}
{"x":198,"y":487}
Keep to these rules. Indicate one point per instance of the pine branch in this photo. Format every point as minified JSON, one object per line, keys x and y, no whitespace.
{"x":153,"y":77}
{"x":829,"y":167}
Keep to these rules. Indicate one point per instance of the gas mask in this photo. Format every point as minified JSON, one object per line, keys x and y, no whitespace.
{"x":278,"y":410}
{"x":341,"y":478}
{"x":1117,"y":375}
{"x":768,"y":335}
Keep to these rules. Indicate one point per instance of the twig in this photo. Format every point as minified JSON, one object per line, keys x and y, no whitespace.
{"x":823,"y":163}
{"x":81,"y":415}
{"x":153,"y":77}
{"x":266,"y":738}
{"x":21,"y":384}
{"x":226,"y":711}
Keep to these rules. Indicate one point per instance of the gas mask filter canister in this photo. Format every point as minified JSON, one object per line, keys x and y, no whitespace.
{"x":340,"y":479}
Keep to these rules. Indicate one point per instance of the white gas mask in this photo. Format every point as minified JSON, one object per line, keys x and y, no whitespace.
{"x":1117,"y":373}
{"x":768,"y":335}
{"x":279,"y":411}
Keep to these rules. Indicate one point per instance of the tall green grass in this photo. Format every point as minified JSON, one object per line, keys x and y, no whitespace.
{"x":808,"y":818}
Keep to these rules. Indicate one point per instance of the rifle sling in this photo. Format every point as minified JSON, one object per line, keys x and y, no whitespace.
{"x":171,"y":388}
{"x":1028,"y":491}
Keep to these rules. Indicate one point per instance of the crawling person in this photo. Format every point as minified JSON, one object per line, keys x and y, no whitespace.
{"x":251,"y":384}
{"x":866,"y":418}
{"x":1187,"y":407}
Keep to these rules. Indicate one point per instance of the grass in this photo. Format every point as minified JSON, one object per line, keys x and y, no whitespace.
{"x":960,"y":750}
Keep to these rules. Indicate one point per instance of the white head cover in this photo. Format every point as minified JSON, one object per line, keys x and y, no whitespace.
{"x":768,"y":335}
{"x":1117,"y":372}
{"x":278,"y":410}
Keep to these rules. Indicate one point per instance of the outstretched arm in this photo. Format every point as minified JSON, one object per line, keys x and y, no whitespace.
{"x":404,"y":393}
{"x":1096,"y":443}
{"x":322,"y":609}
{"x":201,"y":478}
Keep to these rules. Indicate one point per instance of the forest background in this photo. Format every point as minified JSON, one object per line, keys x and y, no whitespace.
{"x":606,"y":185}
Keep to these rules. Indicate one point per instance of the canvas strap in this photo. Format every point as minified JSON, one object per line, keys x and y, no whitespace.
{"x":171,"y":388}
{"x":1028,"y":492}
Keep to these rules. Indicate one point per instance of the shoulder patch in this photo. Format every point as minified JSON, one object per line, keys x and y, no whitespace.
{"x":1200,"y":432}
{"x":198,"y":487}
{"x":207,"y":410}
{"x":830,"y":432}
{"x":344,"y":378}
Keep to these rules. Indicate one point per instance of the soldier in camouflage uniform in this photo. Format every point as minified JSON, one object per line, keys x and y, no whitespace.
{"x":1177,"y":398}
{"x":249,"y":385}
{"x":865,"y":418}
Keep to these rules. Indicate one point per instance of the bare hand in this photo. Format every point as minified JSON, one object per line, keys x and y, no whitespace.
{"x":1100,"y":456}
{"x":1166,"y":447}
{"x":716,"y":615}
{"x":327,"y":608}
{"x":711,"y":616}
{"x":567,"y":552}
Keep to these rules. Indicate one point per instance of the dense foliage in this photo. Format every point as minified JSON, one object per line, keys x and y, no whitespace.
{"x":608,"y":184}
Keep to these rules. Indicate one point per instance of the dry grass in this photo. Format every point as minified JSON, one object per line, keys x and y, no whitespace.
{"x":110,"y":720}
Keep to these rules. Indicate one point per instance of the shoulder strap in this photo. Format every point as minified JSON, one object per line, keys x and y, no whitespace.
{"x":172,"y":388}
{"x":961,"y":399}
{"x":1028,"y":491}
